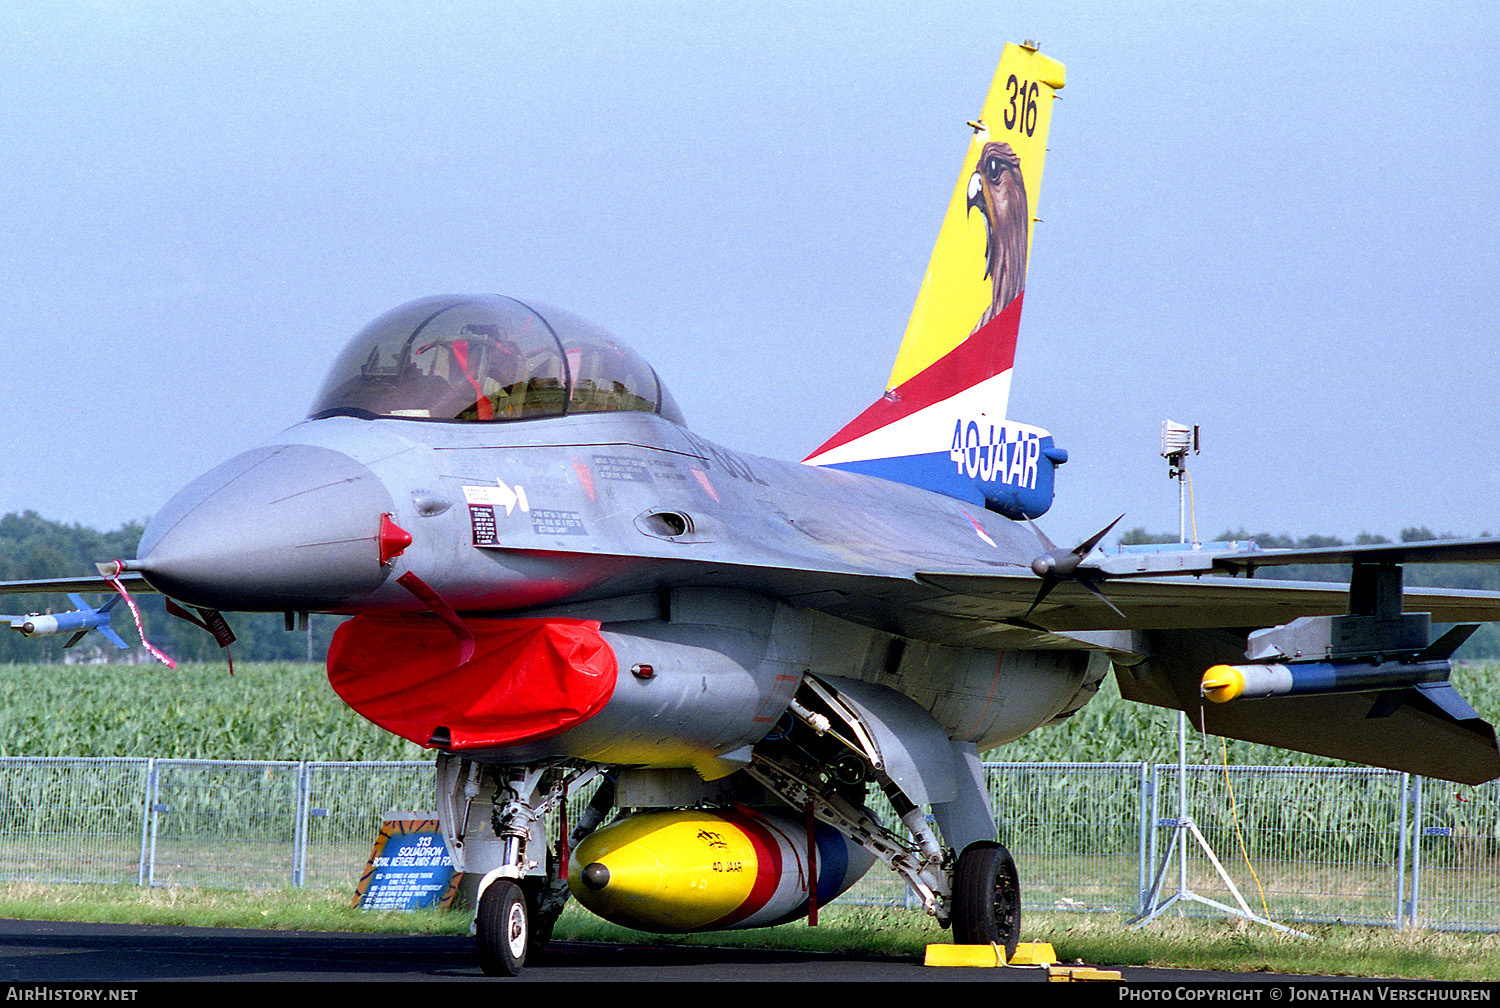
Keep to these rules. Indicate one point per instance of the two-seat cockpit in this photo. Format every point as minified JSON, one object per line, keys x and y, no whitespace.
{"x":487,"y":358}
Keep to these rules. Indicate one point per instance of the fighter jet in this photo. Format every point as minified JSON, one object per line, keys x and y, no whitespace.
{"x":555,"y":585}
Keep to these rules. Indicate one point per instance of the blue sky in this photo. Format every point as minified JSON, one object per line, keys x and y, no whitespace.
{"x":1278,"y":221}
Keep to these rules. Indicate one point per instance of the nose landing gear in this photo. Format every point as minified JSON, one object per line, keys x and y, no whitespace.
{"x":502,"y":929}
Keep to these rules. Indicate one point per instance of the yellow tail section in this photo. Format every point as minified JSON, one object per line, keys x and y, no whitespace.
{"x":941,"y":424}
{"x":979,"y":263}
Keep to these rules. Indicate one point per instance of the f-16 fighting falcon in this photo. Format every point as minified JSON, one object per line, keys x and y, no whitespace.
{"x":555,"y":585}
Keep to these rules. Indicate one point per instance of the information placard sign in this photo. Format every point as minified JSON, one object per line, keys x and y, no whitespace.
{"x":409,"y":868}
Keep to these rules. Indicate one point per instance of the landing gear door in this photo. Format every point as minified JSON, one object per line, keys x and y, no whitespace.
{"x":902,"y":740}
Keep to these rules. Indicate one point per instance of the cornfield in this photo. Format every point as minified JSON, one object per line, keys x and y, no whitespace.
{"x":265,"y":711}
{"x":287,"y":711}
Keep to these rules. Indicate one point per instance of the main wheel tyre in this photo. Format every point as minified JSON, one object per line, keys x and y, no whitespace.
{"x":502,"y":929}
{"x":986,"y":897}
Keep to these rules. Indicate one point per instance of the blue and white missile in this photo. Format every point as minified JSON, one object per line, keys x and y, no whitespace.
{"x":1224,"y":683}
{"x":78,"y":622}
{"x":1428,"y":669}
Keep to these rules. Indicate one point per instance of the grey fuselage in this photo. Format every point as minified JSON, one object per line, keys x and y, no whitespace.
{"x":629,"y":519}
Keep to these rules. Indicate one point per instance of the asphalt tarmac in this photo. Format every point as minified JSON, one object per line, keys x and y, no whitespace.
{"x":139,"y":956}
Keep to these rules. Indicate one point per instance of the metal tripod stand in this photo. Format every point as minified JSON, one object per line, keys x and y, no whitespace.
{"x":1183,"y":826}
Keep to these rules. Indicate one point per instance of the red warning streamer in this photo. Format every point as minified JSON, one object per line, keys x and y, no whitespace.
{"x":111,"y":572}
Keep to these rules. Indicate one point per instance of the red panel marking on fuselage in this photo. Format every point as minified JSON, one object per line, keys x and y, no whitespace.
{"x":703,"y":481}
{"x":994,"y":688}
{"x":585,"y":479}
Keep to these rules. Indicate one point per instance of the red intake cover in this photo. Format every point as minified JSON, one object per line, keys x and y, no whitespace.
{"x":529,"y":678}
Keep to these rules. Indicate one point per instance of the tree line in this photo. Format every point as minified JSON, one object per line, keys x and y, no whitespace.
{"x":33,"y":547}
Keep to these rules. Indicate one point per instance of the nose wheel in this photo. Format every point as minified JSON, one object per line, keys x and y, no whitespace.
{"x":502,"y":928}
{"x":986,"y":897}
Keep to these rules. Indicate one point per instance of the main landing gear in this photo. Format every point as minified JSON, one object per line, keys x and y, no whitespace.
{"x":986,"y":897}
{"x":829,"y":748}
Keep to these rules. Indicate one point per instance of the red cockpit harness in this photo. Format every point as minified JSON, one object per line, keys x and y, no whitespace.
{"x":528,"y":678}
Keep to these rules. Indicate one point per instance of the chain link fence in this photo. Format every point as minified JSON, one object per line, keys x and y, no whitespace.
{"x":1296,"y":843}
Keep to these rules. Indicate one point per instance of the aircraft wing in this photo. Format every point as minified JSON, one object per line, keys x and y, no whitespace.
{"x":132,"y":582}
{"x":1141,"y":563}
{"x":1163,"y":632}
{"x":77,"y":622}
{"x":1163,"y":603}
{"x":1146,"y":589}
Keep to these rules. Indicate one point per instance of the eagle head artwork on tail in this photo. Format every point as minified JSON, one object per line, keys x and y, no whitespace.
{"x":998,"y":191}
{"x":941,"y":424}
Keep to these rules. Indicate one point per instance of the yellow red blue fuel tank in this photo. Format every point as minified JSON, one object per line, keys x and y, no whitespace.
{"x":700,"y":870}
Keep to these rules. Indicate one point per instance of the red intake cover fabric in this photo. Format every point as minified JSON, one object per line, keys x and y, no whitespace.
{"x":529,"y":678}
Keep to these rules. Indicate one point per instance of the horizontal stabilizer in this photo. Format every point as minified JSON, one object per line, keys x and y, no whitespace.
{"x":1428,"y":733}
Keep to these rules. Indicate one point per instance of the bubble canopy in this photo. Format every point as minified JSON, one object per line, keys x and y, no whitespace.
{"x":485,"y":358}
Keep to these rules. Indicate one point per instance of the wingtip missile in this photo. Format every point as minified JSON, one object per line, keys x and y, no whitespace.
{"x":78,"y":623}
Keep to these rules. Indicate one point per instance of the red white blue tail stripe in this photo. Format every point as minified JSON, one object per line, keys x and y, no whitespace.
{"x":941,"y":424}
{"x":944,"y":430}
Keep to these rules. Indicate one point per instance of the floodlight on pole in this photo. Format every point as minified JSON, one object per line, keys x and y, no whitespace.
{"x":1176,"y":441}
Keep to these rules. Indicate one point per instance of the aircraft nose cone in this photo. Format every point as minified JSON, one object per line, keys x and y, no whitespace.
{"x":283,"y":527}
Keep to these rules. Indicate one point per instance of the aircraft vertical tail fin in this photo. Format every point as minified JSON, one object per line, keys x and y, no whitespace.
{"x":941,"y":423}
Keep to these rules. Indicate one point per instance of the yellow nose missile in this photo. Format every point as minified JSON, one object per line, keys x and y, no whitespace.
{"x":1223,"y":683}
